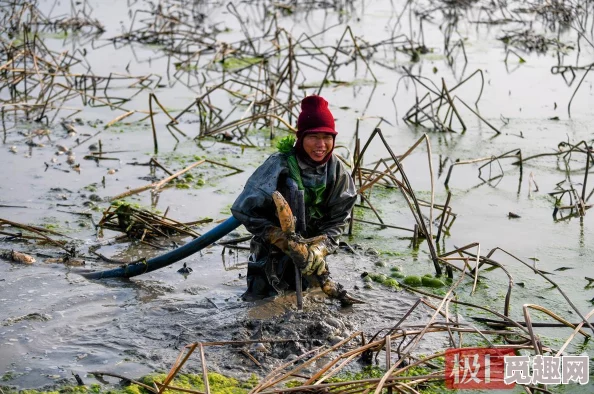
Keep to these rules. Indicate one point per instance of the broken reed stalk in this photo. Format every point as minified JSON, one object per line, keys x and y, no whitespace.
{"x":42,"y":80}
{"x":572,"y":148}
{"x":204,"y":369}
{"x":451,"y":102}
{"x":417,"y":209}
{"x":333,"y":59}
{"x":317,"y":381}
{"x":442,"y":95}
{"x":157,"y":186}
{"x":40,"y":232}
{"x":577,"y":88}
{"x":124,"y":378}
{"x":443,"y":216}
{"x":120,"y":118}
{"x":156,"y":163}
{"x":576,"y":329}
{"x":512,"y":154}
{"x":585,"y":183}
{"x":538,"y":272}
{"x":155,"y":142}
{"x":551,"y":314}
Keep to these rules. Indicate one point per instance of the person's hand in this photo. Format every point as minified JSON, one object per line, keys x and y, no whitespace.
{"x":278,"y":238}
{"x":316,"y":263}
{"x":297,"y":251}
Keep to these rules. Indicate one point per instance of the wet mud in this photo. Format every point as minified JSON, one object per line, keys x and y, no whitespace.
{"x":61,"y":172}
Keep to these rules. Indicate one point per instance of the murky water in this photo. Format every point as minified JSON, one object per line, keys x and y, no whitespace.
{"x":138,"y":326}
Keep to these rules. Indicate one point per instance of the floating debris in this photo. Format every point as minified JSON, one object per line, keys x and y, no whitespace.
{"x":139,"y":223}
{"x":17,"y":257}
{"x":31,"y":316}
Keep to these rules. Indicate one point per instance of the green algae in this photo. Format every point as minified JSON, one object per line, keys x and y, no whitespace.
{"x":393,"y":283}
{"x":413,"y":281}
{"x":368,"y":372}
{"x":234,"y":63}
{"x":375,"y":372}
{"x":435,"y":283}
{"x":8,"y":376}
{"x":124,"y":204}
{"x":382,"y":279}
{"x":379,"y":278}
{"x":91,"y":188}
{"x":397,"y":275}
{"x":219,"y":384}
{"x":394,"y":253}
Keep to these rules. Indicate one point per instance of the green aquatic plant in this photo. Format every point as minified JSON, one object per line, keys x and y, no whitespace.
{"x":393,"y":283}
{"x":413,"y":281}
{"x":435,"y":283}
{"x":91,"y":188}
{"x":379,"y":278}
{"x":126,"y":204}
{"x":234,"y":63}
{"x":368,"y":372}
{"x":285,"y":145}
{"x":8,"y":376}
{"x":382,"y":279}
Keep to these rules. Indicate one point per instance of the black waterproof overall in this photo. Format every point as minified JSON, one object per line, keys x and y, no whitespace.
{"x":270,"y":271}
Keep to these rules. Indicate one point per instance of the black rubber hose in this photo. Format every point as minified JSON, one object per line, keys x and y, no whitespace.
{"x":130,"y":270}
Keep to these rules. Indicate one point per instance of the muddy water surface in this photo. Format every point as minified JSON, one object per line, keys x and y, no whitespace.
{"x":54,"y":322}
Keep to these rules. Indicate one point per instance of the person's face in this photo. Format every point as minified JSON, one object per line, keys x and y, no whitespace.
{"x":318,"y":145}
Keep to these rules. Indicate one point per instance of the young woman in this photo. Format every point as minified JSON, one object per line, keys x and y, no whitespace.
{"x":329,"y":197}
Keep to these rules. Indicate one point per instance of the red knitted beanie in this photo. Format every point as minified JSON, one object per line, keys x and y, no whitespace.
{"x":315,"y":117}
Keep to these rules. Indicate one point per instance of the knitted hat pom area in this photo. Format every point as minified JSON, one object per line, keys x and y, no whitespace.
{"x":315,"y":117}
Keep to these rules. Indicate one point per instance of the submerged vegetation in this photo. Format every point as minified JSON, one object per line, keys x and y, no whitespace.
{"x":210,"y":87}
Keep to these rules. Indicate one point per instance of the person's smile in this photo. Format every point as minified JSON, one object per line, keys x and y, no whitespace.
{"x":318,"y":145}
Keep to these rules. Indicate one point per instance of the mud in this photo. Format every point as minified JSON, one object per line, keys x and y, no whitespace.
{"x":54,"y":322}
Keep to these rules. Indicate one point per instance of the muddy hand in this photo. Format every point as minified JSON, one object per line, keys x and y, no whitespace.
{"x":288,"y":222}
{"x":299,"y":252}
{"x":296,"y":246}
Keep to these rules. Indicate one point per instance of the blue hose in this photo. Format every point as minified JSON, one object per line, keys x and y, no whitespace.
{"x":130,"y":270}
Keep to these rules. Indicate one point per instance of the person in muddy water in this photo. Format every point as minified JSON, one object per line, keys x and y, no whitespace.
{"x":329,"y":194}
